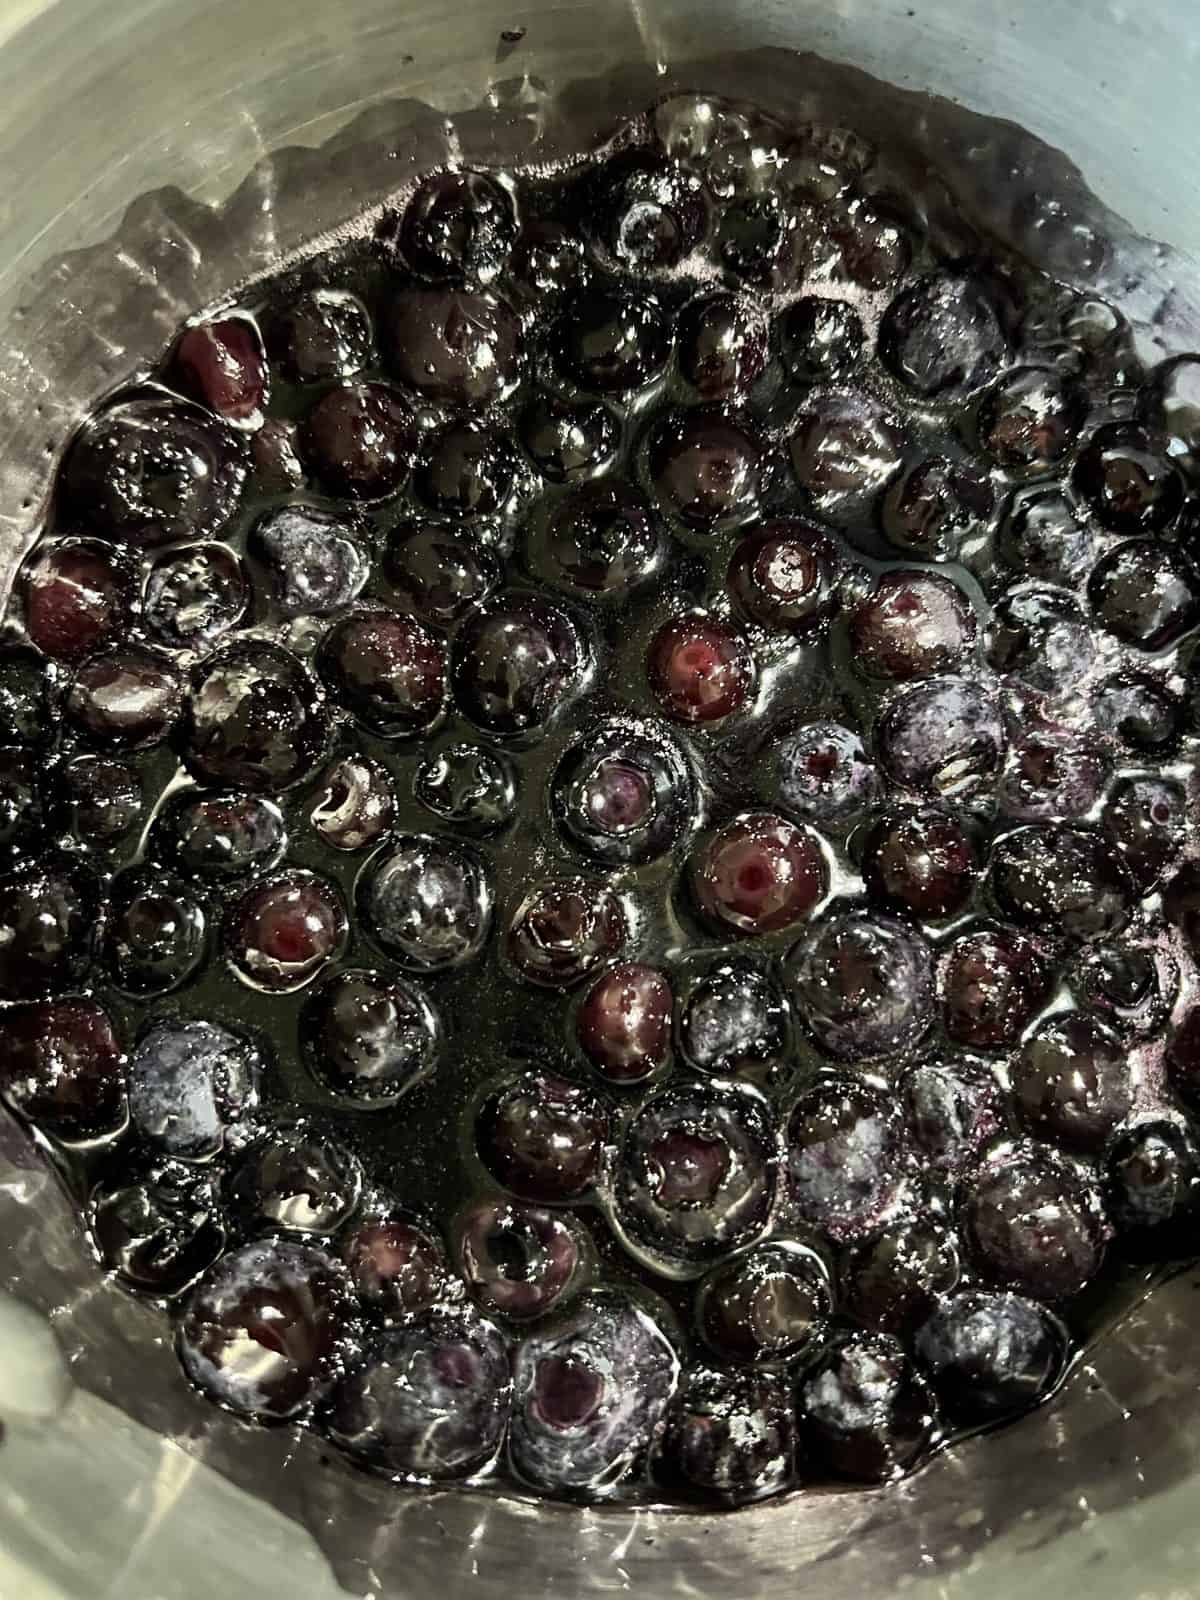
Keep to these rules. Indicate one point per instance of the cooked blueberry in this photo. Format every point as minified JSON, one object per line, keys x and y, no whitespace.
{"x":159,"y":1231}
{"x":732,"y":1018}
{"x":1144,"y":596}
{"x":567,"y":441}
{"x":255,"y":719}
{"x":944,"y":736}
{"x":1051,"y":776}
{"x":892,"y":1283}
{"x":324,"y":334}
{"x":194,"y":595}
{"x":1035,"y":1222}
{"x":845,"y":449}
{"x":722,"y":346}
{"x":284,"y":929}
{"x":613,"y":341}
{"x":388,"y":670}
{"x":1040,"y":639}
{"x":942,"y":336}
{"x":156,"y":932}
{"x":784,"y":576}
{"x":543,"y":1138}
{"x":1063,"y":881}
{"x":429,"y":1399}
{"x":517,"y":1260}
{"x":696,"y":1173}
{"x":437,"y":575}
{"x":1041,"y":537}
{"x":221,"y":836}
{"x":822,"y":772}
{"x":624,"y":1023}
{"x":547,"y":260}
{"x":427,"y":903}
{"x":1071,"y":1082}
{"x":295,"y":1183}
{"x":314,"y":562}
{"x":1146,"y":819}
{"x":356,"y":806}
{"x":564,"y":930}
{"x":127,"y":698}
{"x":922,"y":862}
{"x":622,"y":796}
{"x":954,"y":1108}
{"x":646,"y":214}
{"x":753,"y":237}
{"x":758,"y":874}
{"x":189,"y":1082}
{"x":820,"y":340}
{"x":262,"y":1330}
{"x":468,"y":786}
{"x":370,"y":1037}
{"x":21,"y":810}
{"x":768,"y":1305}
{"x":991,"y":1355}
{"x":358,"y":440}
{"x":872,"y":247}
{"x":1030,"y":419}
{"x":728,"y":1437}
{"x":514,"y":663}
{"x":48,"y":915}
{"x":932,"y":508}
{"x":588,"y":1394}
{"x":1171,"y":405}
{"x":467,"y":471}
{"x":1129,"y":487}
{"x":153,"y":471}
{"x":700,"y":669}
{"x":101,"y":799}
{"x":1133,"y":988}
{"x":862,"y":985}
{"x":913,"y":625}
{"x":705,"y":467}
{"x":1153,"y":1187}
{"x":453,"y":347}
{"x":397,"y":1268}
{"x":275,"y":452}
{"x":458,"y":225}
{"x":845,"y":1159}
{"x":1142,"y":713}
{"x":864,"y":1411}
{"x":602,"y":539}
{"x":75,"y":595}
{"x":61,"y":1065}
{"x":223,"y":364}
{"x":993,"y":983}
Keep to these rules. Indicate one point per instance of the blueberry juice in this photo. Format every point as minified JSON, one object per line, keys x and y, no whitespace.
{"x":598,"y":808}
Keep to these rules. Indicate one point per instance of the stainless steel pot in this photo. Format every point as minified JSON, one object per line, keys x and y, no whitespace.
{"x":236,"y":131}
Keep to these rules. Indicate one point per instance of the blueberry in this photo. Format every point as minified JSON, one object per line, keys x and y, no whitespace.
{"x":219,"y":836}
{"x":589,"y":1393}
{"x":427,"y":903}
{"x":159,"y":1230}
{"x":453,"y":347}
{"x":647,"y":214}
{"x":1051,"y":777}
{"x":944,"y":736}
{"x":845,"y":1159}
{"x":784,"y":576}
{"x":1146,"y":819}
{"x":25,"y":686}
{"x":753,"y":238}
{"x":429,"y":1399}
{"x":101,"y":799}
{"x":223,"y":364}
{"x":543,"y":1138}
{"x":314,"y":562}
{"x":564,"y":931}
{"x":356,"y":807}
{"x":48,"y":916}
{"x":758,"y":874}
{"x":189,"y":1083}
{"x":569,"y":441}
{"x":913,"y":625}
{"x":518,"y":1261}
{"x":992,"y":1355}
{"x":284,"y":929}
{"x":1141,"y":713}
{"x":1132,"y":988}
{"x":820,"y":340}
{"x":358,"y":440}
{"x":1063,"y":881}
{"x":1128,"y":486}
{"x":153,"y":471}
{"x":75,"y":596}
{"x":1071,"y":1082}
{"x":194,"y":595}
{"x":254,"y":719}
{"x":862,"y":986}
{"x":467,"y":471}
{"x":295,"y":1183}
{"x":436,"y":575}
{"x":942,"y":336}
{"x":458,"y":225}
{"x":514,"y":663}
{"x":1144,"y":596}
{"x":156,"y":933}
{"x":921,"y":862}
{"x":929,"y":510}
{"x":700,"y":669}
{"x":324,"y":334}
{"x":388,"y":670}
{"x":993,"y":982}
{"x":602,"y":540}
{"x":822,"y":773}
{"x":546,"y":261}
{"x":611,"y":341}
{"x":1035,"y":1222}
{"x":262,"y":1330}
{"x":370,"y":1037}
{"x":1041,"y":537}
{"x":397,"y":1268}
{"x":845,"y":449}
{"x":622,"y":797}
{"x":727,"y":1438}
{"x":722,"y":346}
{"x":468,"y":786}
{"x":1030,"y":419}
{"x":1153,"y":1186}
{"x":696,"y":1174}
{"x":1171,"y":406}
{"x":865,"y":1412}
{"x":63,"y":1067}
{"x":769,"y":1305}
{"x":954,"y":1109}
{"x":893,"y":1282}
{"x":872,"y":248}
{"x":705,"y":467}
{"x":125,"y":698}
{"x":733,"y":1018}
{"x":624,"y":1023}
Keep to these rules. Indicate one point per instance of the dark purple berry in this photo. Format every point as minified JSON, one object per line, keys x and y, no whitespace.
{"x":700,"y":669}
{"x":543,"y":1138}
{"x":427,"y":903}
{"x":993,"y":982}
{"x":613,"y":342}
{"x":705,"y":467}
{"x":356,"y":806}
{"x":453,"y":347}
{"x":284,"y":929}
{"x":862,"y":986}
{"x":945,"y":736}
{"x":864,"y":1411}
{"x":469,"y":787}
{"x":784,"y":576}
{"x":822,"y":772}
{"x":1132,"y":988}
{"x":845,"y":1159}
{"x":467,"y":471}
{"x":942,"y":336}
{"x":358,"y":440}
{"x":156,"y":932}
{"x":48,"y":915}
{"x":1128,"y":486}
{"x":1052,"y":777}
{"x":1041,"y":537}
{"x":758,"y":874}
{"x":189,"y":1083}
{"x":932,"y":508}
{"x":397,"y":1268}
{"x":219,"y":837}
{"x":894,"y":1282}
{"x":1143,"y":596}
{"x":1153,"y":1187}
{"x":547,"y":260}
{"x":294,"y":1183}
{"x":991,"y":1355}
{"x":954,"y":1108}
{"x":1066,"y":882}
{"x":722,"y":346}
{"x":1030,"y":419}
{"x":324,"y":334}
{"x":1035,"y":1222}
{"x":517,"y":1260}
{"x":1146,"y":819}
{"x":437,"y":575}
{"x":388,"y":670}
{"x":159,"y":1231}
{"x":62,"y":1067}
{"x":568,"y":441}
{"x":515,"y":663}
{"x":314,"y":563}
{"x":457,"y":226}
{"x":75,"y":596}
{"x":732,"y":1019}
{"x":768,"y":1305}
{"x":194,"y":595}
{"x":1071,"y":1082}
{"x":370,"y":1037}
{"x":223,"y":364}
{"x":564,"y":930}
{"x":728,"y":1437}
{"x":255,"y":719}
{"x":753,"y":238}
{"x":101,"y":799}
{"x":647,"y":214}
{"x":1143,"y":714}
{"x":621,"y":796}
{"x":126,"y":698}
{"x":921,"y":862}
{"x":913,"y":625}
{"x":602,"y":540}
{"x":845,"y":449}
{"x":624,"y":1023}
{"x":820,"y":340}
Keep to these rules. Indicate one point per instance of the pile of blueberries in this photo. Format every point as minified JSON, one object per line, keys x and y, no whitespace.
{"x":679,"y":612}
